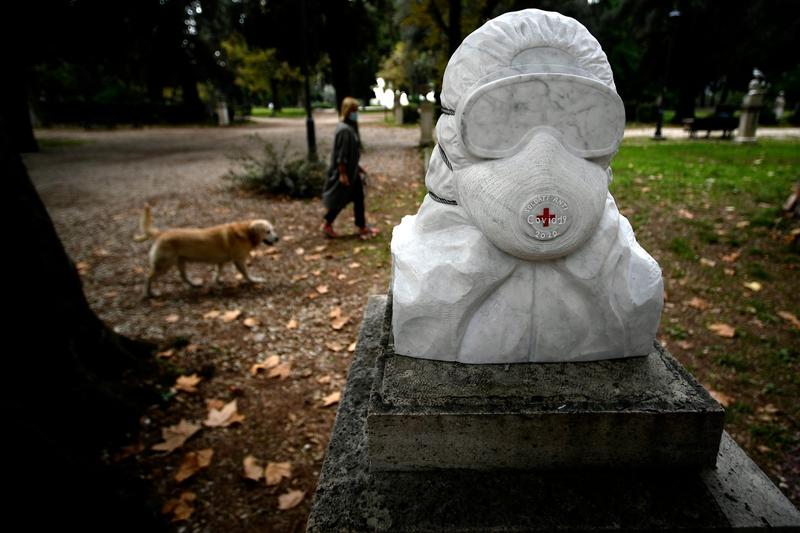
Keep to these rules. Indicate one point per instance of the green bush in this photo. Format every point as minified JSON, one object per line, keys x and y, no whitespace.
{"x":277,"y":173}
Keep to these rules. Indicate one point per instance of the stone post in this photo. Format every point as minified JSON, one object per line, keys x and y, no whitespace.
{"x":398,"y":113}
{"x":426,"y":123}
{"x":222,"y":113}
{"x":751,"y":106}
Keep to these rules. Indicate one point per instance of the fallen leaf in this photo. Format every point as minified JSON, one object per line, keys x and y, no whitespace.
{"x":707,"y":262}
{"x":313,"y":295}
{"x":354,"y":264}
{"x":352,"y":347}
{"x":331,"y":399}
{"x":180,"y":508}
{"x":299,"y":251}
{"x":732,"y":257}
{"x":339,"y":323}
{"x":292,"y":324}
{"x":316,"y":272}
{"x":252,"y":469}
{"x":753,"y":286}
{"x":697,"y":303}
{"x":192,"y":348}
{"x":334,"y":346}
{"x":270,"y":362}
{"x":251,"y":322}
{"x":277,"y":471}
{"x":175,"y":436}
{"x":290,"y":499}
{"x":299,"y":277}
{"x":281,"y":371}
{"x":320,"y":248}
{"x":215,"y":404}
{"x":723,"y":330}
{"x":172,"y":318}
{"x":723,"y":399}
{"x":683,"y":213}
{"x":729,"y":272}
{"x":324,"y":380}
{"x":789,"y":317}
{"x":336,"y":312}
{"x":192,"y":463}
{"x":230,"y":316}
{"x":322,"y":289}
{"x":684,"y":345}
{"x":188,"y":383}
{"x":742,"y":224}
{"x":82,"y":266}
{"x":312,"y":257}
{"x":763,"y":449}
{"x":223,"y":417}
{"x":211,"y":314}
{"x":166,"y":353}
{"x":341,"y":277}
{"x":271,"y":251}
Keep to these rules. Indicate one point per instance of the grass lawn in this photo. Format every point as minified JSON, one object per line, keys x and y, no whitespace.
{"x":710,"y":213}
{"x":286,"y":112}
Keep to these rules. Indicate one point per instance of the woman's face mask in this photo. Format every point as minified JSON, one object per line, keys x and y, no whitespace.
{"x":353,"y":116}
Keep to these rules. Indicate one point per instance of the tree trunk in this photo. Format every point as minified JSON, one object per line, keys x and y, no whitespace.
{"x":15,"y":115}
{"x":68,"y":380}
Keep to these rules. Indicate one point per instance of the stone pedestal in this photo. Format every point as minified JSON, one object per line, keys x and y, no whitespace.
{"x":426,"y":123}
{"x":398,"y":114}
{"x":748,"y":121}
{"x":222,"y":114}
{"x":735,"y":495}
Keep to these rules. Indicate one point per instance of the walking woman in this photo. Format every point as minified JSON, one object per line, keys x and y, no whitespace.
{"x":345,"y":176}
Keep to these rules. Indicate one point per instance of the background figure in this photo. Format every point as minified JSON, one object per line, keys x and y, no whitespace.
{"x":345,"y":182}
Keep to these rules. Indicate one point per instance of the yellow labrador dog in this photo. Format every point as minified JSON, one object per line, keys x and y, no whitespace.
{"x":216,"y":245}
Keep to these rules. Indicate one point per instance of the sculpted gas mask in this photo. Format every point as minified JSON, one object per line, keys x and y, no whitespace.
{"x":546,"y":139}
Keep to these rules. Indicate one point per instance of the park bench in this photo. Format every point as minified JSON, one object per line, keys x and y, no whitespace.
{"x":718,"y":121}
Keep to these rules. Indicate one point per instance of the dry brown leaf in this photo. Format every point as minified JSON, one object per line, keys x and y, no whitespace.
{"x":299,"y":251}
{"x":223,"y":417}
{"x":742,"y":224}
{"x":790,"y":318}
{"x":292,"y":324}
{"x":354,"y":264}
{"x":313,"y":295}
{"x":341,"y":277}
{"x":193,"y":462}
{"x":180,"y":508}
{"x":83,"y":267}
{"x":290,"y":499}
{"x":331,"y":399}
{"x":312,"y":257}
{"x":277,"y":471}
{"x":322,"y":289}
{"x":271,"y":251}
{"x":175,"y":436}
{"x":211,"y":314}
{"x":320,"y":248}
{"x":270,"y":362}
{"x":316,"y":272}
{"x":299,"y":277}
{"x":230,"y":316}
{"x":684,"y":345}
{"x":732,"y":257}
{"x":352,"y":347}
{"x":215,"y":404}
{"x":688,"y":215}
{"x":753,"y":286}
{"x":192,"y":348}
{"x":697,"y":303}
{"x":334,"y":346}
{"x":336,"y":312}
{"x":324,"y":380}
{"x":251,"y":322}
{"x":763,"y":449}
{"x":172,"y":318}
{"x":188,"y":383}
{"x":723,"y":399}
{"x":729,"y":271}
{"x":723,"y":330}
{"x":252,"y":469}
{"x":707,"y":262}
{"x":281,"y":371}
{"x":166,"y":353}
{"x":339,"y":323}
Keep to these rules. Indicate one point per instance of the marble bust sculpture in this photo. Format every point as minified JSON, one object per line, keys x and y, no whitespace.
{"x":518,"y":253}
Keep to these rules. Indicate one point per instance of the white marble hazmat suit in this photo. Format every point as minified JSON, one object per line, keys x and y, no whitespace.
{"x":519,"y":253}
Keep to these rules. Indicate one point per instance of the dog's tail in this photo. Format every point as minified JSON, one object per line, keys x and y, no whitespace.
{"x":146,"y":228}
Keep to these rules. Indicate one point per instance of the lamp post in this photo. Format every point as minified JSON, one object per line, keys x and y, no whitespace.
{"x":657,"y":136}
{"x":311,"y":137}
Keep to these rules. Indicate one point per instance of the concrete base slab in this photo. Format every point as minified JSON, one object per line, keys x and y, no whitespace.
{"x":734,"y":496}
{"x":639,"y":412}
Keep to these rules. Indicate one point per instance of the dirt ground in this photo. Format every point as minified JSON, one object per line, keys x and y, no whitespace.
{"x":95,"y":183}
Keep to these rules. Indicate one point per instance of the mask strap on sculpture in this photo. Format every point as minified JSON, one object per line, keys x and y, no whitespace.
{"x":447,"y":162}
{"x":441,"y":200}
